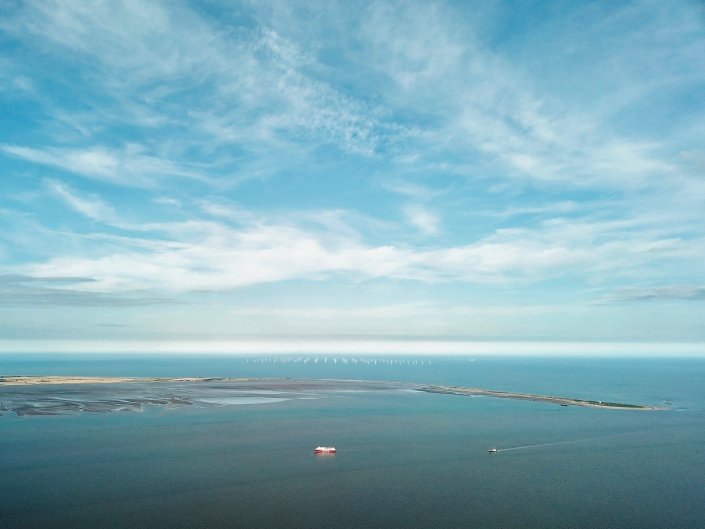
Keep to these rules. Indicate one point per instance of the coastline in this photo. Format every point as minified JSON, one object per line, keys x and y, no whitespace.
{"x":34,"y":380}
{"x":49,"y":380}
{"x":563,"y":401}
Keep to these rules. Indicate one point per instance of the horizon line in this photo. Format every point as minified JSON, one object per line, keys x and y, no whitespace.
{"x":356,"y":346}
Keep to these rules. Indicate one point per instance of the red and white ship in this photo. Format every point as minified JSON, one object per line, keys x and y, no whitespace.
{"x":324,"y":450}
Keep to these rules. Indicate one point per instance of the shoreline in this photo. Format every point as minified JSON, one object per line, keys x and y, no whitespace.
{"x":563,"y":401}
{"x":50,"y":380}
{"x":36,"y":380}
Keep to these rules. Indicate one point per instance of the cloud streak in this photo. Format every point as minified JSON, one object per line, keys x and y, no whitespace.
{"x":127,"y":166}
{"x":660,"y":293}
{"x":25,"y":291}
{"x":92,"y":207}
{"x":215,"y":255}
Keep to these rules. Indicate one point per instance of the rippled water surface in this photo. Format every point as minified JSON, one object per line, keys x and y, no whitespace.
{"x":405,"y":459}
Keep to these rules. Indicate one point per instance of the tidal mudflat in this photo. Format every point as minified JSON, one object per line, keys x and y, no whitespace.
{"x":60,"y":395}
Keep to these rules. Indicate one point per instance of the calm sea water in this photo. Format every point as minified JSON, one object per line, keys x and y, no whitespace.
{"x":405,"y":459}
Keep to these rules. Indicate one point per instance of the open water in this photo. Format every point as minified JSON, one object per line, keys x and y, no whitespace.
{"x":405,"y":459}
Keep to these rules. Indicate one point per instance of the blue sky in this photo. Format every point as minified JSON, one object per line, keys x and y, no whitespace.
{"x":303,"y":172}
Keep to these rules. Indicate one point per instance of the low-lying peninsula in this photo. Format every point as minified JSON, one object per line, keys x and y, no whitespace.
{"x":58,"y":395}
{"x":563,"y":401}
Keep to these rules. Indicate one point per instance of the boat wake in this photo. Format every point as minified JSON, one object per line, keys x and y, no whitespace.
{"x":525,"y":447}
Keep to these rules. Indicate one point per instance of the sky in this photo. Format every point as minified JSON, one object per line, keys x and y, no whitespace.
{"x":222,"y":173}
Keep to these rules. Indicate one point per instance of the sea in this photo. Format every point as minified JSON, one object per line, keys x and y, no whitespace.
{"x":405,"y":459}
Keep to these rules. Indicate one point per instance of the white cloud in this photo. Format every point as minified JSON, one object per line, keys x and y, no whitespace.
{"x":167,"y":201}
{"x":211,"y":255}
{"x":128,"y":166}
{"x":423,"y":219}
{"x":658,"y":293}
{"x":413,"y":190}
{"x":122,"y":36}
{"x":90,"y":206}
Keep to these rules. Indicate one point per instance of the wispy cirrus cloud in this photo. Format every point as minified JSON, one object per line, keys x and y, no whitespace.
{"x":250,"y":87}
{"x":423,"y":219}
{"x":658,"y":293}
{"x":26,"y":291}
{"x":262,"y":91}
{"x":92,"y":207}
{"x":482,"y":101}
{"x":128,"y":166}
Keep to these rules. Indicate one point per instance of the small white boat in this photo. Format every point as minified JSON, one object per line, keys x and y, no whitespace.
{"x":492,"y":450}
{"x":324,"y":450}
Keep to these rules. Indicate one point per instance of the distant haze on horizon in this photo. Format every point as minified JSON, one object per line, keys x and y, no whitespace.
{"x":276,"y":175}
{"x":357,"y":347}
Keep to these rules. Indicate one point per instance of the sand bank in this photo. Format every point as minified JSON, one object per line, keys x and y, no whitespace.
{"x":563,"y":401}
{"x":19,"y":380}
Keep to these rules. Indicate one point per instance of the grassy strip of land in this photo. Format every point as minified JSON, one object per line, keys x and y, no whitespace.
{"x":563,"y":401}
